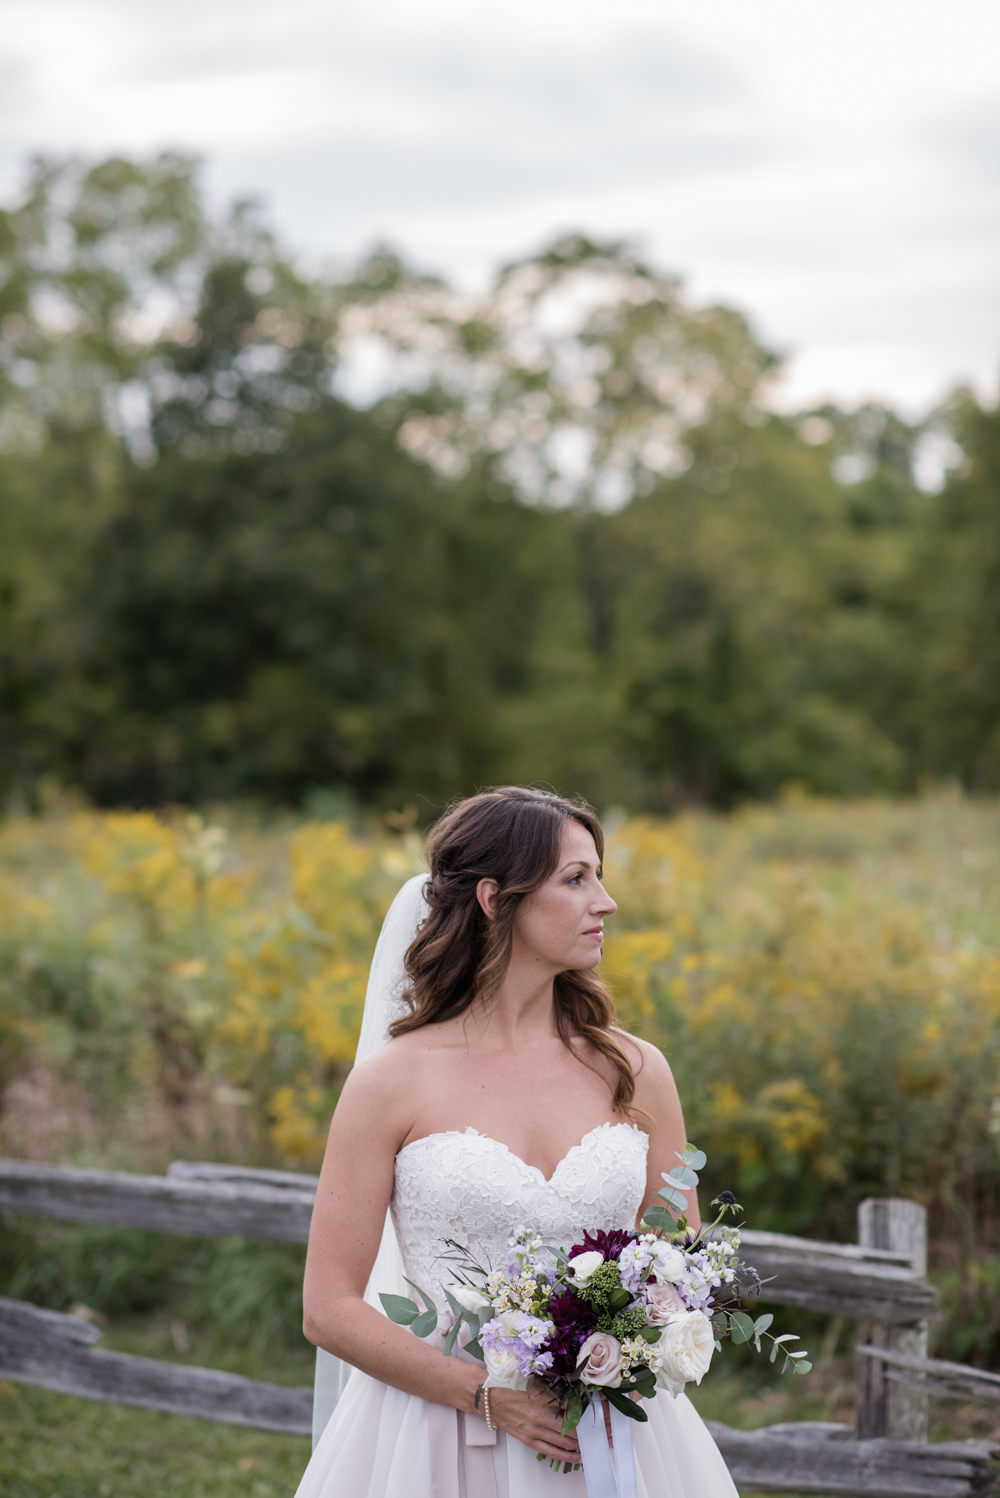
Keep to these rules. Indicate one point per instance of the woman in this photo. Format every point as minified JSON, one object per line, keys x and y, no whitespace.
{"x":505,"y":1096}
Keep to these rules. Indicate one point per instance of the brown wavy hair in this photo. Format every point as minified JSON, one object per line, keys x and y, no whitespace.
{"x":511,"y":834}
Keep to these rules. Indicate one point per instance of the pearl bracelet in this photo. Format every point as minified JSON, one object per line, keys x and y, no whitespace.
{"x":486,"y":1409}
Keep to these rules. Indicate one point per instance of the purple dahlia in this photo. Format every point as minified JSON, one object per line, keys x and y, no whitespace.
{"x":609,"y":1245}
{"x":574,"y":1321}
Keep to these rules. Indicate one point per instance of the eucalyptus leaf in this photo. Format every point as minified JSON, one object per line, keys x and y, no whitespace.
{"x":762,"y":1323}
{"x":425,"y":1323}
{"x":682,"y":1177}
{"x":423,"y":1296}
{"x":456,"y":1309}
{"x":741,"y":1327}
{"x":659,"y":1217}
{"x":697,"y":1159}
{"x":802,"y":1367}
{"x":475,"y":1349}
{"x":449,"y":1341}
{"x":674,"y":1198}
{"x":399,"y":1309}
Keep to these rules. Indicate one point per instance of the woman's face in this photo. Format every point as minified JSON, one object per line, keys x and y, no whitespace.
{"x":560,"y":926}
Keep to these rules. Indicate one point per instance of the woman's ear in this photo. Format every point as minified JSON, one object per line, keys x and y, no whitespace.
{"x":486,"y":893}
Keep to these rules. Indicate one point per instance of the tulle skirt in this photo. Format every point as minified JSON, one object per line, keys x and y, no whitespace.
{"x":382,"y":1443}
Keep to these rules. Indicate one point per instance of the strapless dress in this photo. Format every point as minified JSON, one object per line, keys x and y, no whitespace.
{"x":382,"y":1443}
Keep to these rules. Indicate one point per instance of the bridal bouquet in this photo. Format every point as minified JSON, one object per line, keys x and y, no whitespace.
{"x":619,"y":1313}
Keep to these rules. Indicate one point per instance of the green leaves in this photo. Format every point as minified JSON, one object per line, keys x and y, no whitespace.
{"x":625,"y":1405}
{"x":759,"y":1327}
{"x":741,"y":1327}
{"x":399,"y":1309}
{"x":681,"y":1182}
{"x":573,"y":1415}
{"x":659,"y":1217}
{"x":424,"y":1296}
{"x":449,"y":1341}
{"x":405,"y":1313}
{"x":744,"y":1329}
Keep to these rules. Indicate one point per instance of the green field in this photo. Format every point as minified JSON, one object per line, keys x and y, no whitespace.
{"x":824,"y":977}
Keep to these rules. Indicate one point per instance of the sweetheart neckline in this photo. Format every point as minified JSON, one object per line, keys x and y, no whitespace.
{"x":464,"y":1133}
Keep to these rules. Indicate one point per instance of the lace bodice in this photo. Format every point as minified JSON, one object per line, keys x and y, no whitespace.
{"x":469,"y":1187}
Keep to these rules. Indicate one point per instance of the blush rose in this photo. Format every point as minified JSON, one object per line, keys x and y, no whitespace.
{"x":600,"y":1361}
{"x":662,"y":1302}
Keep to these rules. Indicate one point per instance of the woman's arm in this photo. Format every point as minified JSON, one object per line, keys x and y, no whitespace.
{"x":656,"y":1092}
{"x":355,"y":1185}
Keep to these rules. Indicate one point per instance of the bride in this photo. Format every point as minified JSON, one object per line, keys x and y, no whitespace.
{"x":498,"y":1093}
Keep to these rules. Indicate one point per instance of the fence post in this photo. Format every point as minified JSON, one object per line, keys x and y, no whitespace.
{"x":885,"y":1407}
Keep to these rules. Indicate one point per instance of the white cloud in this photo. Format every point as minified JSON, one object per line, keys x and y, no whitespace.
{"x":831,"y":168}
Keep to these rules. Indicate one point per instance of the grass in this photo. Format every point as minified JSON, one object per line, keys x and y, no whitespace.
{"x":211,"y":1303}
{"x":57,"y":1446}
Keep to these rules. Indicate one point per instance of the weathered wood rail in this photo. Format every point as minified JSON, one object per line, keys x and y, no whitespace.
{"x":206,"y":1207}
{"x":813,"y":1457}
{"x":57,"y":1352}
{"x":880,"y":1284}
{"x":271,"y":1207}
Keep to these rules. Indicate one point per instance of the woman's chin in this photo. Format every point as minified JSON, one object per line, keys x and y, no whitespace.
{"x":583,"y":961}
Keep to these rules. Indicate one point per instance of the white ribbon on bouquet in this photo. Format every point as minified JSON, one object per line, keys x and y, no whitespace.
{"x":607,"y":1478}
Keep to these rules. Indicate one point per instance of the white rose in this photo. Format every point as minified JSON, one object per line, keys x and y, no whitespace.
{"x":501,"y":1369}
{"x":669,"y":1263}
{"x":468,"y":1296}
{"x":583,"y":1266}
{"x":600,"y":1360}
{"x":685,"y":1346}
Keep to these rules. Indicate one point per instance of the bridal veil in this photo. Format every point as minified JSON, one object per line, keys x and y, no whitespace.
{"x":383,"y":1003}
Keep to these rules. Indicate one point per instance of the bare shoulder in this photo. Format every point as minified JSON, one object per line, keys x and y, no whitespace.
{"x":648,"y":1061}
{"x":655,"y":1088}
{"x":383,"y":1085}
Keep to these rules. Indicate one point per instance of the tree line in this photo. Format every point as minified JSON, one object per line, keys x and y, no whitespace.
{"x":269,"y":534}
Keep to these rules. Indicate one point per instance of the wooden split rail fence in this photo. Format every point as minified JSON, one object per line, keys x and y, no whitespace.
{"x":879,"y":1282}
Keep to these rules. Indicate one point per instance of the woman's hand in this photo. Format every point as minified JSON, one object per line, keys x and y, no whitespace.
{"x":532,"y":1417}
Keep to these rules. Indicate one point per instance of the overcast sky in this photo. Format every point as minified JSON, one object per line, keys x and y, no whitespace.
{"x":831,"y":168}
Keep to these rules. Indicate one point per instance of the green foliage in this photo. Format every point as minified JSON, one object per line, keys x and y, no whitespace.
{"x":567,"y":543}
{"x":248,"y":1293}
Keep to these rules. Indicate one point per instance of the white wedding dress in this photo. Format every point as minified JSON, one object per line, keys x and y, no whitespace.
{"x":382,"y":1443}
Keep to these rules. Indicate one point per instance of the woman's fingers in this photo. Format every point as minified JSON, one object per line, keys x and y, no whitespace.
{"x":556,"y":1455}
{"x":533,"y":1418}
